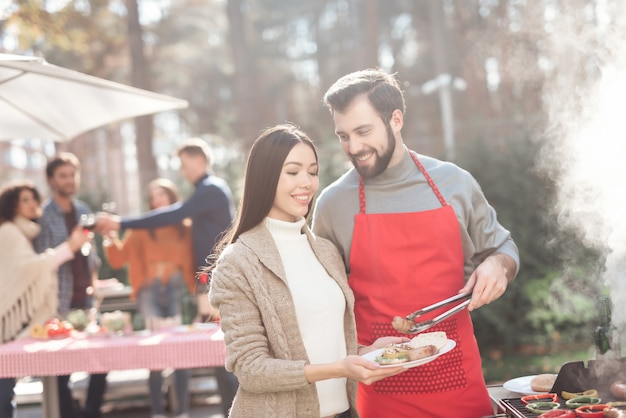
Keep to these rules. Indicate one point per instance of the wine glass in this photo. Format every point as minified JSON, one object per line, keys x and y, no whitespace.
{"x":88,"y":223}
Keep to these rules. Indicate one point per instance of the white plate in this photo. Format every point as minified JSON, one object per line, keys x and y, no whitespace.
{"x":450,"y":344}
{"x":520,"y":385}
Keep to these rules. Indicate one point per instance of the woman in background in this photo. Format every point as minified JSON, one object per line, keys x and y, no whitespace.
{"x":285,"y":305}
{"x":160,"y":263}
{"x":29,"y":280}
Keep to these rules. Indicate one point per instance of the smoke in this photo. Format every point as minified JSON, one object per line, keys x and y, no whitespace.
{"x":585,"y":153}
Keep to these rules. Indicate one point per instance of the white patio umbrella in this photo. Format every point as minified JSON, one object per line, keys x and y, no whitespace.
{"x":41,"y":100}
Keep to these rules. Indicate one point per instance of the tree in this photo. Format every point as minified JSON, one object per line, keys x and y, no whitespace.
{"x":141,"y":77}
{"x":248,"y":106}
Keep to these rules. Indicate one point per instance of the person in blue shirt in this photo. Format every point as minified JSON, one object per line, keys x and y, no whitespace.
{"x":211,"y":210}
{"x":61,"y":214}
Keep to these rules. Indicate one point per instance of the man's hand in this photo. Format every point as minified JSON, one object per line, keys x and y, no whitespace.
{"x":490,"y":279}
{"x":106,"y":222}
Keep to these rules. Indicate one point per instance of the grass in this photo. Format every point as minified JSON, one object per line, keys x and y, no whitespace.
{"x":500,"y":367}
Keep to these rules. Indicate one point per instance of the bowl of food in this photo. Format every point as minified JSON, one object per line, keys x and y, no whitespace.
{"x":117,"y":322}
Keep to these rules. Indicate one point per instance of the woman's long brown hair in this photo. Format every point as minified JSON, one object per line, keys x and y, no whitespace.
{"x":263,"y":168}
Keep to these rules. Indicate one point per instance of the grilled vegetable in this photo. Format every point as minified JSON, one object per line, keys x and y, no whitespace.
{"x":571,"y":395}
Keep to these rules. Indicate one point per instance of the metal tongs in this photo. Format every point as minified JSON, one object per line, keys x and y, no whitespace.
{"x":424,"y":325}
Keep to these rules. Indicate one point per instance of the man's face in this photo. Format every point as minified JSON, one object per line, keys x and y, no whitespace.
{"x":65,"y":180}
{"x":365,"y":138}
{"x":191,"y":166}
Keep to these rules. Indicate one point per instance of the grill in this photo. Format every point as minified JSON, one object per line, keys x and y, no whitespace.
{"x":515,"y":408}
{"x":576,"y":377}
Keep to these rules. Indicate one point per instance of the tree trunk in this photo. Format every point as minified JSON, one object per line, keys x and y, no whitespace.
{"x":440,"y":61}
{"x":246,"y":102}
{"x":140,"y":77}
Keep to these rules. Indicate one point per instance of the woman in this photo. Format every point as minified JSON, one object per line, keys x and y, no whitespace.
{"x":29,"y":281}
{"x":160,"y":263}
{"x":285,"y":305}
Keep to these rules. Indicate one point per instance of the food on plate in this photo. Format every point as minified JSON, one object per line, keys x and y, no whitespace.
{"x":78,"y":318}
{"x":391,"y":355}
{"x":618,"y":389}
{"x":401,"y":324}
{"x":420,"y":347}
{"x":543,"y":382}
{"x":116,"y":321}
{"x":38,"y":331}
{"x":59,"y":328}
{"x":52,"y":328}
{"x":571,"y":395}
{"x":437,"y":338}
{"x":394,"y":354}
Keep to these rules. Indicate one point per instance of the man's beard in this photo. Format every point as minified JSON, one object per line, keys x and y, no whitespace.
{"x":382,"y":161}
{"x":66,"y":191}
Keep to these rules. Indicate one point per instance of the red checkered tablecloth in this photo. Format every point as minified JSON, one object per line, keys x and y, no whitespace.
{"x":98,"y":354}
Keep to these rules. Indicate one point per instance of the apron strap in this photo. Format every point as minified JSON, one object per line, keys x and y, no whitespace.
{"x":430,"y":181}
{"x":361,"y":195}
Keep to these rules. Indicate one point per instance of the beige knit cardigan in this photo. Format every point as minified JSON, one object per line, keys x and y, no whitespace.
{"x":265,"y":348}
{"x":29,"y":283}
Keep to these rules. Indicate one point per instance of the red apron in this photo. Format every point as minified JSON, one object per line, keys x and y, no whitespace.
{"x":400,"y":262}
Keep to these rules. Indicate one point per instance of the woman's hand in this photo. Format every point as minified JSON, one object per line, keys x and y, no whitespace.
{"x":78,"y":237}
{"x":382,"y":342}
{"x":366,"y":371}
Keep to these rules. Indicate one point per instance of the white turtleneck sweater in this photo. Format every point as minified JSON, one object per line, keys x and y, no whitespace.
{"x":320,"y":307}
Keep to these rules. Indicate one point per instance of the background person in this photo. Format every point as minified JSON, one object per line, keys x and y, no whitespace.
{"x":210,"y":208}
{"x":61,"y":215}
{"x":160,"y":264}
{"x":29,"y":279}
{"x":285,"y":305}
{"x":413,"y":230}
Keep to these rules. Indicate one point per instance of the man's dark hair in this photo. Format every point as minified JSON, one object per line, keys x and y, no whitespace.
{"x":63,"y":158}
{"x":380,"y":87}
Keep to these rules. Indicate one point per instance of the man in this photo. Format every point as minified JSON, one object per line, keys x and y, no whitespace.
{"x":60,"y":215}
{"x":211,"y":210}
{"x":413,"y":230}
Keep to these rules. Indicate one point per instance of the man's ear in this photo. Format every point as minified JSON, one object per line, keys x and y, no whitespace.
{"x":397,"y":120}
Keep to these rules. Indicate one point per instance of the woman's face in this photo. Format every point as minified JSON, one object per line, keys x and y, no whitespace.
{"x":27,"y":206}
{"x":159,"y":198}
{"x":297,"y":184}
